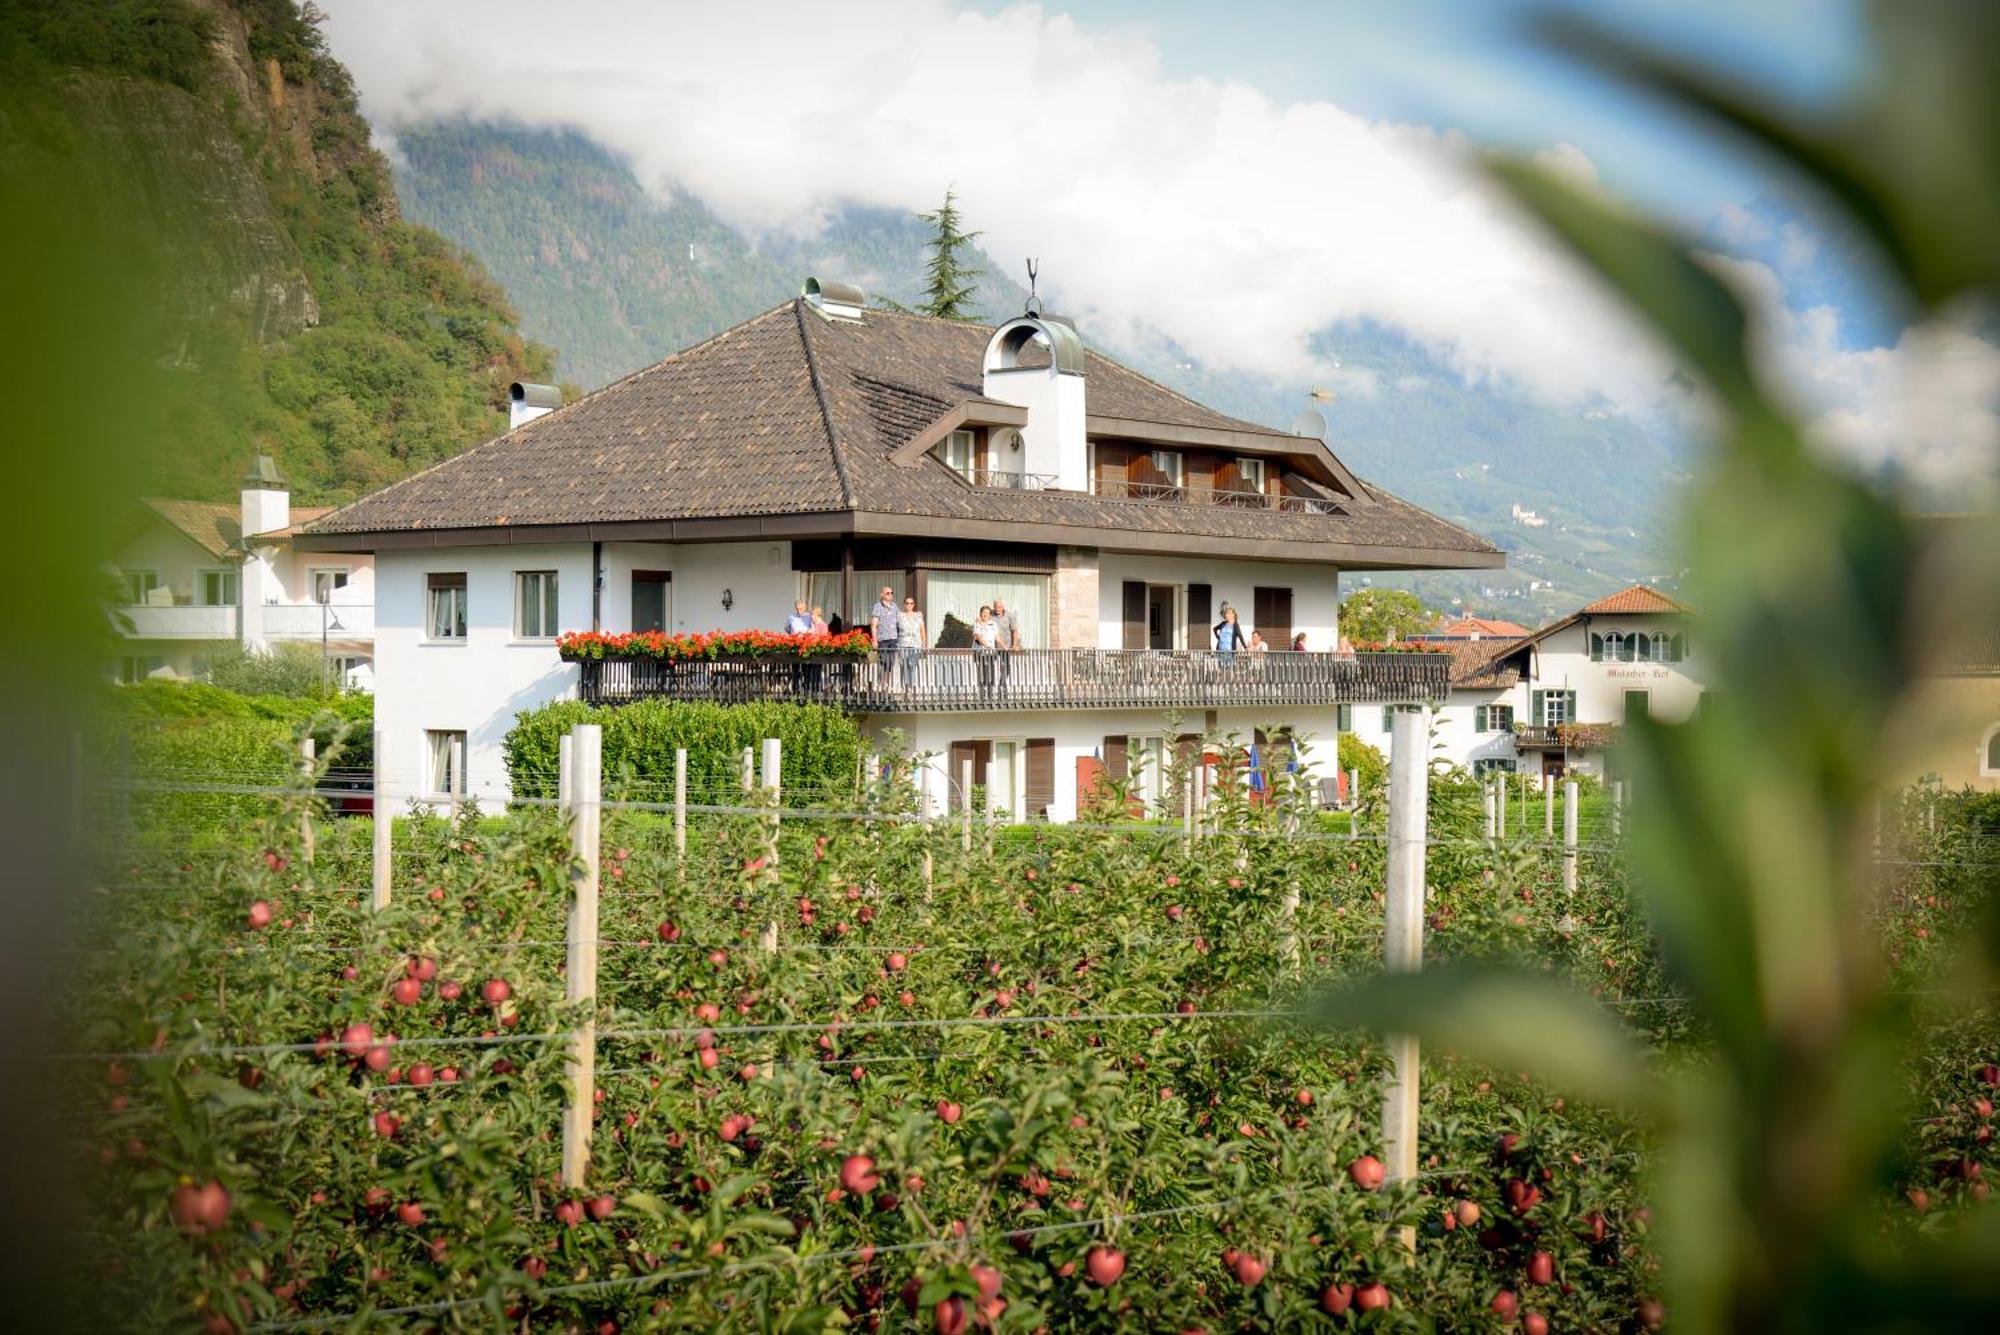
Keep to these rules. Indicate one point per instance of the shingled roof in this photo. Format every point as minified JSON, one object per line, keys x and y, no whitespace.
{"x":1635,"y":600}
{"x":790,"y":414}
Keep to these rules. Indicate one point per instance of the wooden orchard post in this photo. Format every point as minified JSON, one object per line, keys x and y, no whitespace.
{"x":565,"y":774}
{"x":308,"y":767}
{"x":1486,"y":806}
{"x":1618,"y":807}
{"x":586,"y":796}
{"x":680,"y":804}
{"x":773,"y":761}
{"x":385,"y":823}
{"x":965,"y":805}
{"x":749,"y":769}
{"x":1569,"y":840}
{"x":1403,"y":939}
{"x":1548,"y":808}
{"x":1353,"y":804}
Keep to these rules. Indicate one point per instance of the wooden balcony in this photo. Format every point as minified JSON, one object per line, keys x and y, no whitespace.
{"x":940,"y":680}
{"x":1564,"y":736}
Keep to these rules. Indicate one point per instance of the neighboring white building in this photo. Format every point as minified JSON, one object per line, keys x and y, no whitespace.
{"x":194,"y":574}
{"x":822,"y":451}
{"x":1552,"y":701}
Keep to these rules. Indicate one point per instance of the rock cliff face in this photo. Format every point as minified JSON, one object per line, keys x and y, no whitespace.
{"x":293,"y":310}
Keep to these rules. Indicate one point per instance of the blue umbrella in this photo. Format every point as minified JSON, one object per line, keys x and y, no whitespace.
{"x":1256,"y":770}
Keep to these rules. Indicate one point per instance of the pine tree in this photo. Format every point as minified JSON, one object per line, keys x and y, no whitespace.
{"x":948,"y":278}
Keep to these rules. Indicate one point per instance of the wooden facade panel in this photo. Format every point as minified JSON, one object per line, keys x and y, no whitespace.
{"x":1134,"y":613}
{"x":1040,"y":776}
{"x":1271,"y":613}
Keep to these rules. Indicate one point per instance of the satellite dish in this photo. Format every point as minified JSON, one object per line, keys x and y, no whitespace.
{"x":1309,"y":423}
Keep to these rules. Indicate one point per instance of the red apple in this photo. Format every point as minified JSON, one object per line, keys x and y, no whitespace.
{"x":898,"y":961}
{"x":1367,"y":1172}
{"x":1249,"y":1270}
{"x":601,"y":1207}
{"x":355,"y":1039}
{"x":421,"y":967}
{"x":496,"y":990}
{"x":1372,"y":1297}
{"x":948,"y":1112}
{"x":669,"y":932}
{"x":410,"y":1213}
{"x":1104,"y":1265}
{"x":857,"y":1174}
{"x":407,"y":992}
{"x":1541,"y":1268}
{"x":569,"y":1213}
{"x":260,"y":915}
{"x":420,"y":1074}
{"x":1336,"y":1298}
{"x":1505,"y":1304}
{"x":950,"y":1315}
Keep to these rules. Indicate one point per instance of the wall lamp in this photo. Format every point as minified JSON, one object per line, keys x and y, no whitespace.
{"x":728,"y":600}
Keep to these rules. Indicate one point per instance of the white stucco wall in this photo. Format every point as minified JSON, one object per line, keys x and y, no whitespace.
{"x":1315,"y":593}
{"x":1562,"y":662}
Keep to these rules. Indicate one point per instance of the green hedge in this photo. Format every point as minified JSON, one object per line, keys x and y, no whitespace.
{"x":144,"y":706}
{"x":822,"y":746}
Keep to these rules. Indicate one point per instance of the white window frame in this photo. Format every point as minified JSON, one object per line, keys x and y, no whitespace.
{"x":1177,"y":475}
{"x":344,"y":573}
{"x":133,"y":597}
{"x":1090,"y":466}
{"x":201,"y":575}
{"x":431,"y":591}
{"x":953,"y":443}
{"x":550,"y":598}
{"x":1986,"y":770}
{"x":1146,"y":768}
{"x":434,"y":739}
{"x":1016,"y":801}
{"x":1250,"y":468}
{"x":1559,"y":696}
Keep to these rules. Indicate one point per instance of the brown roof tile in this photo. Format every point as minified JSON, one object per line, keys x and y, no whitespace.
{"x":789,"y":413}
{"x":1638,"y":599}
{"x":214,"y":526}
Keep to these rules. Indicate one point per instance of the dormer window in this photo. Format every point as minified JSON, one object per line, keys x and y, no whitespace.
{"x":960,"y":453}
{"x":1172,"y":465}
{"x":1252,"y":473}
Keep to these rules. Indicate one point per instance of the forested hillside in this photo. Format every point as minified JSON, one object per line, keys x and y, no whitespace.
{"x":301,"y":314}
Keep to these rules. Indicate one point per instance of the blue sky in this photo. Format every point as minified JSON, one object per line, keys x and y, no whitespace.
{"x":1474,"y":65}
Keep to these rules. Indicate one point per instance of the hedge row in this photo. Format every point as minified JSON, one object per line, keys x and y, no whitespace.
{"x":822,"y":746}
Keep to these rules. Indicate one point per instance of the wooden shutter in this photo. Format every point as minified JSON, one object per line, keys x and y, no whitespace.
{"x":1114,"y":758}
{"x":1135,"y":614}
{"x":1200,"y":635}
{"x":1535,"y":712}
{"x":977,"y":753}
{"x":1272,"y":613}
{"x":1041,"y":775}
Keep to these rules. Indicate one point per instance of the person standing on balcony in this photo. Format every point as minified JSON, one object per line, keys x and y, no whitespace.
{"x":1229,"y":635}
{"x":1257,"y":651}
{"x":910,"y":638}
{"x":800,"y":622}
{"x":882,"y":625}
{"x":985,"y":645}
{"x":1299,"y":643}
{"x":805,"y":676}
{"x":1008,"y":637}
{"x":819,"y":621}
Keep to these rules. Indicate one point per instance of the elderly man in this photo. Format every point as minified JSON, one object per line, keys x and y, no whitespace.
{"x":800,"y":622}
{"x":1008,"y":640}
{"x":882,"y":625}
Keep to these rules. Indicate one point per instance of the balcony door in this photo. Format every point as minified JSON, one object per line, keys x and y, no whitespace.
{"x":1164,"y":622}
{"x":652,"y":599}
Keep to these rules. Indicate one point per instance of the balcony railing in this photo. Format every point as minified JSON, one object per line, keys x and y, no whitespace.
{"x":1239,"y":498}
{"x":308,"y":621}
{"x":180,"y":621}
{"x":1564,"y":736}
{"x":955,"y":679}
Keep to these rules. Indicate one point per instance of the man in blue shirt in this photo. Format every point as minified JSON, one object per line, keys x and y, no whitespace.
{"x":800,"y":622}
{"x":882,"y":625}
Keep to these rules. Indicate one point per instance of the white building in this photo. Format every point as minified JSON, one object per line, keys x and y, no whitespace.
{"x":195,"y":574}
{"x":823,"y":451}
{"x":1552,"y":701}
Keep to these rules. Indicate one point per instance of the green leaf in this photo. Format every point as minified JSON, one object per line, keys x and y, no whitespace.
{"x":1509,"y":1019}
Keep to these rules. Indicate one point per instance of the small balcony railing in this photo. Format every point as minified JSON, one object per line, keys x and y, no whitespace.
{"x":956,"y":679}
{"x":179,"y":621}
{"x":1564,"y":736}
{"x":1243,"y":498}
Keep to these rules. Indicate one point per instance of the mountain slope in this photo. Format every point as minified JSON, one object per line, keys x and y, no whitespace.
{"x":605,"y":271}
{"x":300,"y":314}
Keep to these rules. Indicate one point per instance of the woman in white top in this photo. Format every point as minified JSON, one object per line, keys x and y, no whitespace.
{"x":910,"y":639}
{"x":985,"y":646}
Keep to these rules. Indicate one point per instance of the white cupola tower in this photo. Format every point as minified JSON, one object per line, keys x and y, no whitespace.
{"x":1036,"y":361}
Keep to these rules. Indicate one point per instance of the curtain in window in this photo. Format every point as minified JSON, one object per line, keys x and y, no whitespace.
{"x":961,"y":593}
{"x":822,"y":590}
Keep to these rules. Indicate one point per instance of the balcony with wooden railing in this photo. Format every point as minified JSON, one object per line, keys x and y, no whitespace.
{"x":942,"y":680}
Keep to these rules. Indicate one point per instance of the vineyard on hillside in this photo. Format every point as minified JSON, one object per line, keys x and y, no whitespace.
{"x":1063,"y":1078}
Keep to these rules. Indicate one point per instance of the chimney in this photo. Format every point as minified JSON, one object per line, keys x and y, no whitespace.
{"x":526,"y":402}
{"x":834,"y":300}
{"x":1036,"y":361}
{"x":267,"y":503}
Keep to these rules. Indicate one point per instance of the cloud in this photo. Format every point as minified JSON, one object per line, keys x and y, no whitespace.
{"x":1928,"y":404}
{"x":1194,"y":211}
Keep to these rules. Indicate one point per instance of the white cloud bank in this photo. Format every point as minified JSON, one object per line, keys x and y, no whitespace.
{"x":1199,"y":211}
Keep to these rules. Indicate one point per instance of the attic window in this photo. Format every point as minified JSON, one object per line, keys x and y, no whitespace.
{"x":960,"y":453}
{"x":1252,"y":473}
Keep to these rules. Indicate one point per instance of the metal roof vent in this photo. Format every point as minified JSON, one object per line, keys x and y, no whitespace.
{"x":529,"y":401}
{"x":834,"y":299}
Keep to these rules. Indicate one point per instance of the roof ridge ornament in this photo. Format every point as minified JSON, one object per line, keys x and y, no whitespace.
{"x":1034,"y":303}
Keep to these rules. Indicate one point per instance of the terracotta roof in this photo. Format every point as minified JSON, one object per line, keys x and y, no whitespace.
{"x":792,"y":414}
{"x":215,"y":527}
{"x":1474,"y":665}
{"x":302,"y":515}
{"x":1465,"y":628}
{"x":1638,"y":599}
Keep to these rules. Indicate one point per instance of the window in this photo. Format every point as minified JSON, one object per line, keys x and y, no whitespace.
{"x":1989,"y":753}
{"x":1642,"y":647}
{"x":1090,"y":466}
{"x":1493,"y":718}
{"x":139,"y":586}
{"x":1616,"y":648}
{"x":1252,"y":472}
{"x":1492,"y":765}
{"x":344,"y":667}
{"x":325,"y":583}
{"x":1596,"y":648}
{"x":961,"y":454}
{"x":447,"y":606}
{"x":1001,"y":773}
{"x":1638,"y":704}
{"x":1148,"y":761}
{"x":534,"y":604}
{"x":1555,"y":708}
{"x":1171,"y":463}
{"x":960,"y":593}
{"x":216,"y":588}
{"x":821,"y":589}
{"x":138,"y":667}
{"x":446,"y":768}
{"x":652,"y":600}
{"x":1343,"y":718}
{"x":1388,"y":718}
